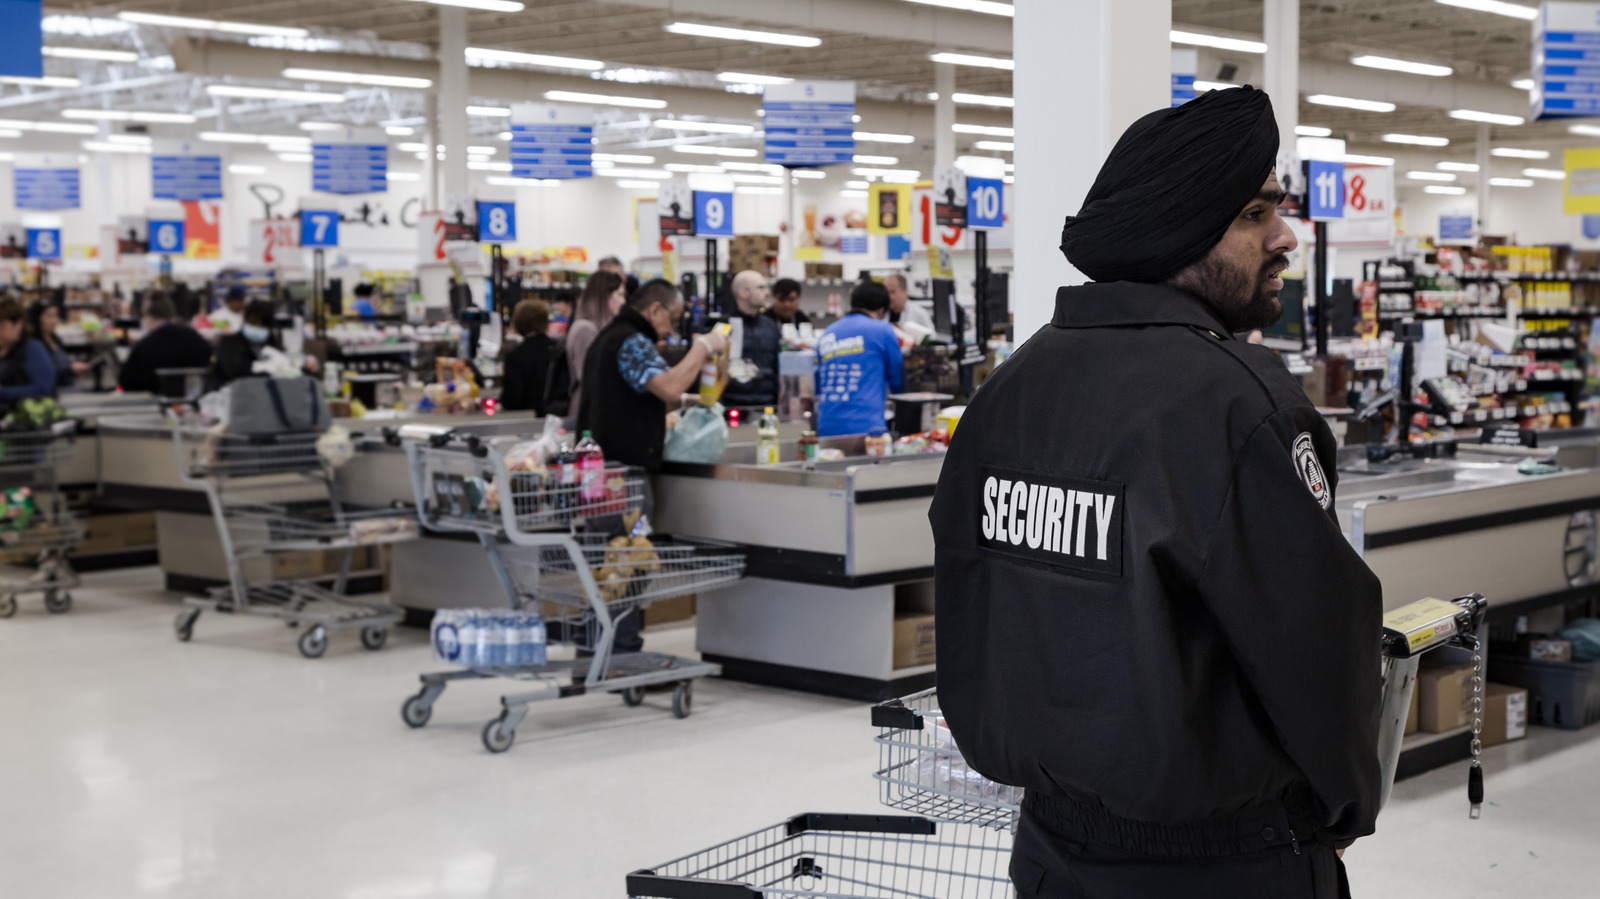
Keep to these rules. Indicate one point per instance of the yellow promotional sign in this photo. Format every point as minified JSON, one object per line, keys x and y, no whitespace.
{"x":889,"y":209}
{"x":1581,"y":191}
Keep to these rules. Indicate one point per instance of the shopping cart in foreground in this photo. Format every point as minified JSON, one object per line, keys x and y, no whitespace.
{"x":42,"y":537}
{"x":273,"y":494}
{"x":958,"y":846}
{"x":551,"y":548}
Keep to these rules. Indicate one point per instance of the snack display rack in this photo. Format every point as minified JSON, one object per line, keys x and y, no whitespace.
{"x":31,"y":460}
{"x":274,"y":494}
{"x":548,"y":543}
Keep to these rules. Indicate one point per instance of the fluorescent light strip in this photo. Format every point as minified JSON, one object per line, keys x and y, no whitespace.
{"x":1524,"y":84}
{"x":874,"y":137}
{"x":479,"y":166}
{"x":1204,"y":86}
{"x":399,"y":131}
{"x":272,"y":93}
{"x":1546,"y":174}
{"x":693,"y":29}
{"x":505,"y":181}
{"x":968,"y":59}
{"x":46,"y":81}
{"x":638,"y":185}
{"x":240,"y":137}
{"x":1312,"y":131}
{"x":983,"y":100}
{"x":1514,"y":153}
{"x":1416,"y":140}
{"x":1444,"y":189}
{"x":1401,"y":65}
{"x":295,"y":157}
{"x":411,"y":147}
{"x":624,"y":157}
{"x":855,"y":194}
{"x":887,"y":174}
{"x":808,"y":174}
{"x":993,"y":146}
{"x":320,"y":126}
{"x":1585,"y":130}
{"x":604,"y":100}
{"x":703,"y":150}
{"x":1350,"y":103}
{"x":1457,"y":166}
{"x":91,"y":53}
{"x":876,"y":160}
{"x":499,"y":112}
{"x":125,"y":115}
{"x":1493,"y":118}
{"x":393,"y":175}
{"x":1511,"y":182}
{"x":364,"y":78}
{"x":144,"y":18}
{"x":1430,"y":176}
{"x":10,"y":132}
{"x":1498,"y":7}
{"x":1196,"y":39}
{"x":755,"y":179}
{"x":708,"y":127}
{"x":988,"y":7}
{"x":482,"y":151}
{"x":762,"y":191}
{"x":65,"y":128}
{"x":105,"y":146}
{"x":486,"y":54}
{"x":485,"y":5}
{"x":749,"y":78}
{"x":240,"y":168}
{"x":1358,"y":159}
{"x":655,"y":174}
{"x":985,"y":130}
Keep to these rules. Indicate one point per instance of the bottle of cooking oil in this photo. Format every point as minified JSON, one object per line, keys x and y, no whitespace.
{"x":767,"y":438}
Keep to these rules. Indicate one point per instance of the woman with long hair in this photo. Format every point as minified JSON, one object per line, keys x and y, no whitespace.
{"x":602,"y":297}
{"x":43,"y":319}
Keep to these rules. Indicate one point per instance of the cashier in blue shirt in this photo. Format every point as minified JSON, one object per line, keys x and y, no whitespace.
{"x":858,"y":366}
{"x":363,"y":302}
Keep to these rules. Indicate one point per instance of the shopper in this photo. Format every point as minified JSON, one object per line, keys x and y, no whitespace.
{"x":43,"y":319}
{"x":165,"y":344}
{"x":25,"y":366}
{"x":237,"y":354}
{"x":362,"y":305}
{"x":901,"y":309}
{"x":230,"y":317}
{"x":614,"y":265}
{"x":858,"y":365}
{"x":1148,"y":616}
{"x":600,"y":301}
{"x":527,"y":367}
{"x":762,"y":341}
{"x":786,"y":303}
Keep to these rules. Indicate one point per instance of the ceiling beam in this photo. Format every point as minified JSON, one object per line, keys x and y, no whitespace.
{"x":892,"y":19}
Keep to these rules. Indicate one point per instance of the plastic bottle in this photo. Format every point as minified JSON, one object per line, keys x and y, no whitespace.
{"x":591,"y":470}
{"x":767,"y":438}
{"x":566,"y":473}
{"x":807,"y":447}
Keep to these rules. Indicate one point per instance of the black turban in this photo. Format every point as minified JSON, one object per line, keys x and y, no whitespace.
{"x":1171,"y":187}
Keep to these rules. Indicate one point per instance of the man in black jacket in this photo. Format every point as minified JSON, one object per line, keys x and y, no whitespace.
{"x":166,"y":344}
{"x":527,"y":368}
{"x":1147,"y":614}
{"x":762,"y":343}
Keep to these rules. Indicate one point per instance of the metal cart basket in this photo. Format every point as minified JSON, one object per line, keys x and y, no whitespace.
{"x":273,"y":494}
{"x":841,"y":857}
{"x":30,"y":460}
{"x":549,"y":547}
{"x":920,"y":769}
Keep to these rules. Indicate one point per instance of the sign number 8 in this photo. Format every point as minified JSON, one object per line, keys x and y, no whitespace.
{"x":498,"y":223}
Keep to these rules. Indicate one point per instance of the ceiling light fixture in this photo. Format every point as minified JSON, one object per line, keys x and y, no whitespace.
{"x":1417,"y":140}
{"x":755,"y":179}
{"x":1585,"y":130}
{"x":1546,"y":174}
{"x":393,"y":175}
{"x":656,"y":174}
{"x":704,"y":150}
{"x":498,"y":112}
{"x":91,"y":53}
{"x":1312,"y":131}
{"x":1498,"y":7}
{"x":1514,"y":153}
{"x":1358,"y":159}
{"x":508,"y":181}
{"x":875,"y":137}
{"x":993,"y":146}
{"x":1401,"y":65}
{"x":272,"y":93}
{"x":1524,"y":84}
{"x":478,"y":166}
{"x":399,"y":130}
{"x":985,"y":130}
{"x":748,"y":78}
{"x":46,"y":81}
{"x":1457,"y":166}
{"x":486,"y":54}
{"x":1204,"y":86}
{"x":485,"y":5}
{"x":1511,"y":182}
{"x":1196,"y":39}
{"x":1493,"y":118}
{"x":1430,"y":176}
{"x":693,"y":29}
{"x":982,"y":100}
{"x":709,"y":127}
{"x":855,"y":194}
{"x":105,"y":146}
{"x":968,"y":59}
{"x":1444,"y":189}
{"x":689,"y":167}
{"x":751,"y":166}
{"x":363,"y":78}
{"x":320,"y":126}
{"x":988,"y":7}
{"x":877,"y":160}
{"x":762,"y":191}
{"x":145,"y":18}
{"x":1350,"y":103}
{"x":604,"y":100}
{"x":637,"y":185}
{"x":124,"y":115}
{"x":808,"y":174}
{"x":295,"y":157}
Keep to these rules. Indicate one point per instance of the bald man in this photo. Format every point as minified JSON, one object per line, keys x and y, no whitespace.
{"x":762,"y":341}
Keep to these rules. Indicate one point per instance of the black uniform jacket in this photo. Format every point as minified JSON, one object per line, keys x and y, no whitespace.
{"x":1147,"y":614}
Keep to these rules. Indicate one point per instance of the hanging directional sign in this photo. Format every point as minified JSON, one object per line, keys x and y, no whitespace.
{"x":166,"y":237}
{"x":22,"y":38}
{"x":1325,"y":183}
{"x":713,"y":214}
{"x":497,"y":221}
{"x":350,"y":161}
{"x":319,"y":228}
{"x":46,"y":182}
{"x":552,"y":141}
{"x":809,"y":123}
{"x":1185,"y":63}
{"x":44,"y":243}
{"x":1566,"y":60}
{"x":179,"y":170}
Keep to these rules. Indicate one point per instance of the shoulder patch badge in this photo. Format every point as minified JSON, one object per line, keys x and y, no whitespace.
{"x":1305,"y":461}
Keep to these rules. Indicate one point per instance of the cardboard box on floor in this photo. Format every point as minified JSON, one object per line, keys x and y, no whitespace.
{"x":665,"y":611}
{"x":1505,"y":714}
{"x":315,"y":562}
{"x":913,"y":640}
{"x":1444,"y":698}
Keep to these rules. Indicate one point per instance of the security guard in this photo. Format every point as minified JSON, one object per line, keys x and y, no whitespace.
{"x":1147,"y":614}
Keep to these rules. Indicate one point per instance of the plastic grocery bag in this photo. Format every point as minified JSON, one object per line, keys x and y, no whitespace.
{"x":1585,"y":636}
{"x":699,"y":438}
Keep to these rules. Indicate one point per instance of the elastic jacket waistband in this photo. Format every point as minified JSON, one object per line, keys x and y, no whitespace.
{"x":1289,"y":822}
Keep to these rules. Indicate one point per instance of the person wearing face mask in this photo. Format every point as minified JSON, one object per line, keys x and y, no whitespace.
{"x":237,"y":353}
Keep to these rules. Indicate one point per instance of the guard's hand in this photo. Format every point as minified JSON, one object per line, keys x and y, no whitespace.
{"x":713,"y":342}
{"x":1339,"y":853}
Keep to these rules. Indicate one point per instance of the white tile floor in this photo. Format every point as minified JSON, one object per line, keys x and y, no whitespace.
{"x":132,"y":765}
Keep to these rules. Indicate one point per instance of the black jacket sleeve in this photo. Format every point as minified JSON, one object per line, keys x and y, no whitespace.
{"x":1302,"y":615}
{"x":138,"y":373}
{"x":234,"y":359}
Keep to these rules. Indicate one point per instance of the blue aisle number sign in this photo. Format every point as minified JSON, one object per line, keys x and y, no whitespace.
{"x":166,"y":237}
{"x":319,"y":229}
{"x":497,"y":222}
{"x":44,"y":243}
{"x":1326,"y":182}
{"x":713,"y":214}
{"x":986,"y":203}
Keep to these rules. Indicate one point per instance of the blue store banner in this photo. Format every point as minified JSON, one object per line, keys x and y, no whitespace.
{"x":319,"y":228}
{"x":810,"y":123}
{"x":166,"y":236}
{"x":1455,"y":226}
{"x":350,"y":161}
{"x":46,"y":182}
{"x":1185,"y":63}
{"x":1566,"y":60}
{"x":179,"y":170}
{"x":552,"y":141}
{"x":44,"y":243}
{"x":497,"y":221}
{"x":22,"y":38}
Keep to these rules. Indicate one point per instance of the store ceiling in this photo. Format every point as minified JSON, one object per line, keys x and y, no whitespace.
{"x":890,"y":65}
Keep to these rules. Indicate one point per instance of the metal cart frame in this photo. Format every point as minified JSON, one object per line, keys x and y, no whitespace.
{"x":235,"y":472}
{"x":32,"y":459}
{"x":556,"y":569}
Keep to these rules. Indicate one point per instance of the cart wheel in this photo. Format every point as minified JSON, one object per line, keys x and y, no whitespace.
{"x":314,"y":642}
{"x":8,"y":605}
{"x":57,"y":601}
{"x":495,"y":738}
{"x":414,"y":713}
{"x":374,"y":636}
{"x":682,"y":700}
{"x":184,"y":624}
{"x":633,"y":697}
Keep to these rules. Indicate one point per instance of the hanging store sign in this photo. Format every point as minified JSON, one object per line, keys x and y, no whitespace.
{"x":1581,"y":190}
{"x":179,"y":171}
{"x":551,"y":141}
{"x":949,"y":197}
{"x":713,"y":213}
{"x":430,"y":239}
{"x":810,"y":123}
{"x":889,"y":209}
{"x":166,"y":237}
{"x":22,"y":38}
{"x":46,"y":182}
{"x":1566,"y":60}
{"x":350,"y":161}
{"x":133,"y":235}
{"x":1368,"y":192}
{"x":1185,"y":65}
{"x":1455,"y":226}
{"x":497,"y":221}
{"x":319,"y":228}
{"x":986,"y":204}
{"x":272,"y":242}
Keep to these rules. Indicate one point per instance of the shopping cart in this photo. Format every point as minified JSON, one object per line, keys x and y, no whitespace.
{"x":29,"y":466}
{"x":920,"y":769}
{"x":271,"y":495}
{"x":549,"y":546}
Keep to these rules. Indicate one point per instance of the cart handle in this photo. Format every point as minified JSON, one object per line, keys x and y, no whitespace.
{"x":648,"y":883}
{"x":895,"y":716}
{"x":903,"y":824}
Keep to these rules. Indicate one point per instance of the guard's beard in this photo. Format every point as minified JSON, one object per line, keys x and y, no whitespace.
{"x":1241,"y":298}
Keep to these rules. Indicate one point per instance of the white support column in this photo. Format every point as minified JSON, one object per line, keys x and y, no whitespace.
{"x":430,"y":159}
{"x":1484,"y":159}
{"x":102,"y":170}
{"x":944,"y":114}
{"x":1281,"y":32}
{"x":1084,"y":72}
{"x":453,"y":126}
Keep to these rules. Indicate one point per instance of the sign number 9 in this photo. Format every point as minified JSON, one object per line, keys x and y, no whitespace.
{"x":714,"y":214}
{"x":499,"y":225}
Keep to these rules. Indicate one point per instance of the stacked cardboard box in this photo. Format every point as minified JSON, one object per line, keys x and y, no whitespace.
{"x":754,"y":252}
